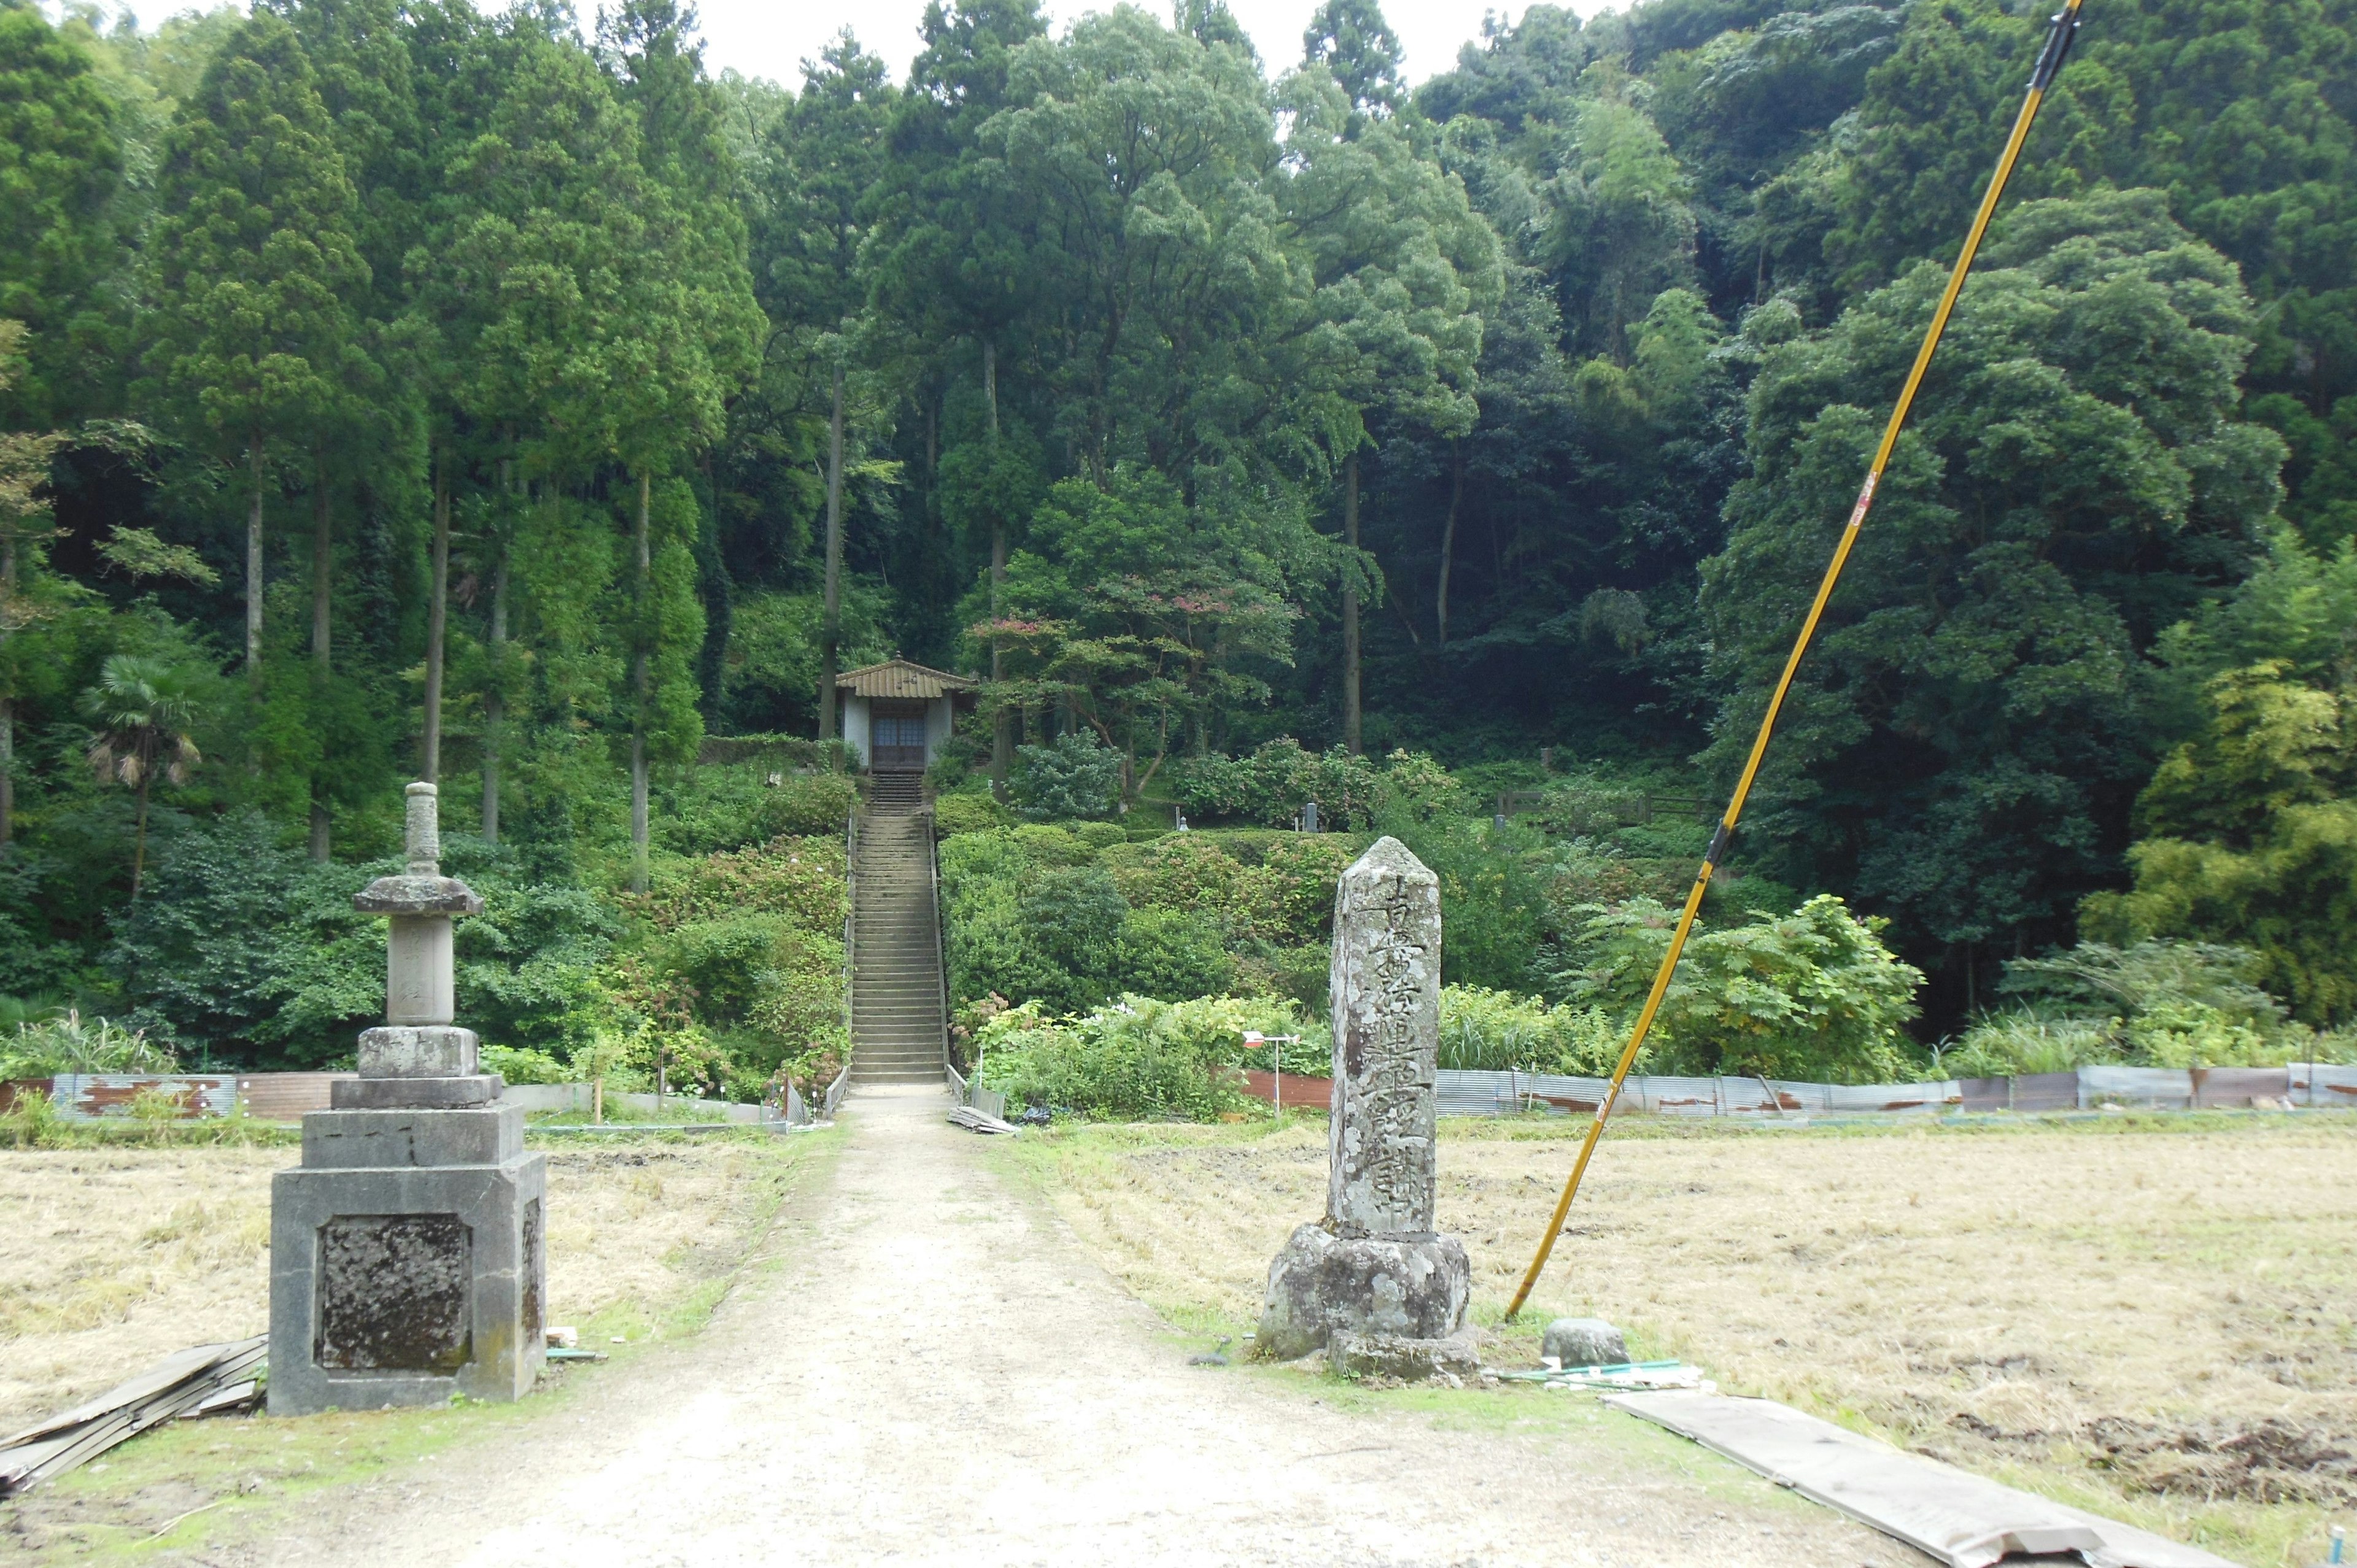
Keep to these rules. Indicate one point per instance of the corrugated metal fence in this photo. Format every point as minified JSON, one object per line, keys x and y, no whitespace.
{"x":1512,"y":1093}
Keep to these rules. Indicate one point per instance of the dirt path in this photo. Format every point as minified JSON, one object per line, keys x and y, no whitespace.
{"x":941,"y":1375}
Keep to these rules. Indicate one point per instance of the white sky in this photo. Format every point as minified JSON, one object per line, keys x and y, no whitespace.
{"x":772,"y":37}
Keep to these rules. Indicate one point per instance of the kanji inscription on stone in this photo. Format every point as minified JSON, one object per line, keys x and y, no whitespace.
{"x":1385,"y":982}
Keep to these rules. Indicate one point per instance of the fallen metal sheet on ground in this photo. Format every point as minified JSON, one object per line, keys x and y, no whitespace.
{"x":976,"y":1122}
{"x":1626,"y":1376}
{"x":1959,"y":1518}
{"x":206,"y":1380}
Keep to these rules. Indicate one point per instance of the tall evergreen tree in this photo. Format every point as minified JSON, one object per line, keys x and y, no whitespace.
{"x":253,"y":326}
{"x":60,"y":174}
{"x":833,"y":146}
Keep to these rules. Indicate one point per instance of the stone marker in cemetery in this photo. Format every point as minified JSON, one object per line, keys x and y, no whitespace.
{"x":406,"y":1254}
{"x":1374,"y":1283}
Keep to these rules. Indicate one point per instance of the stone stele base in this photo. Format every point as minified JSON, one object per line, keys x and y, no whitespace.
{"x":1402,"y":1287}
{"x":407,"y":1260}
{"x":1411,"y":1360}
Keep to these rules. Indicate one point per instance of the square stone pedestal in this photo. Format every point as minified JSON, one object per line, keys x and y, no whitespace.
{"x":407,"y":1260}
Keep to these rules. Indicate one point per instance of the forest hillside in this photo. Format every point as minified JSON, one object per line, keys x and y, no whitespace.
{"x":399,"y":389}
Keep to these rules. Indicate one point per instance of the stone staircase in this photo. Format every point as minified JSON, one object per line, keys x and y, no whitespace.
{"x":896,"y":982}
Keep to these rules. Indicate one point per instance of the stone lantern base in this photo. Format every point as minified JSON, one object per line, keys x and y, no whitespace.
{"x":407,"y":1260}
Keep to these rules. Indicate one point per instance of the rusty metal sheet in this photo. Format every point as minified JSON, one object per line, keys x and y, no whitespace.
{"x":2044,"y":1092}
{"x":2321,"y":1084}
{"x":2160,"y":1087}
{"x":285,"y":1096}
{"x":1301,"y":1093}
{"x":16,"y":1088}
{"x":2240,"y":1085}
{"x":1986,"y":1093}
{"x":1918,"y":1097}
{"x":91,"y":1096}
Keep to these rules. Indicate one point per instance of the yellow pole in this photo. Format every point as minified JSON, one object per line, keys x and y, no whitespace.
{"x":2049,"y":61}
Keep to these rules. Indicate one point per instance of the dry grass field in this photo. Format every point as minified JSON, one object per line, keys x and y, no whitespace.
{"x":111,"y":1257}
{"x":2155,"y":1317}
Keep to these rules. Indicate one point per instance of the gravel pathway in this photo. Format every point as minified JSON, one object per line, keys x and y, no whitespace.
{"x":940,"y":1374}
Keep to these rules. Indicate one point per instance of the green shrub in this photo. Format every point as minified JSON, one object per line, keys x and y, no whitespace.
{"x":525,"y":1067}
{"x":1135,"y":1060}
{"x":1491,"y":1031}
{"x":69,"y":1045}
{"x":2017,"y":1044}
{"x":1272,"y":785}
{"x":2158,"y":1002}
{"x":1494,"y":902}
{"x":725,"y":808}
{"x":1075,"y":776}
{"x":968,"y":812}
{"x":800,"y":878}
{"x":1173,"y":954}
{"x":247,"y":953}
{"x":1812,"y":995}
{"x":726,"y":965}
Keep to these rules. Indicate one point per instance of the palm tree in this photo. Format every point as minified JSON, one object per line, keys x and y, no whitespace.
{"x":143,"y":708}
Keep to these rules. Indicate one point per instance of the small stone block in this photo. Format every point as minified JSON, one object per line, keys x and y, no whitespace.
{"x":419,"y":1051}
{"x":415,"y":1093}
{"x":1392,"y":1356}
{"x":384,"y":1139}
{"x":1584,"y":1342}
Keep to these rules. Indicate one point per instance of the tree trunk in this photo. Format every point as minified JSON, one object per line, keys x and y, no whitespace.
{"x":437,"y":625}
{"x":829,"y":635}
{"x":139,"y":842}
{"x":254,"y":569}
{"x":1350,"y":606}
{"x":7,"y":705}
{"x":639,"y":681}
{"x":494,"y":700}
{"x":1002,"y":722}
{"x":1449,"y":539}
{"x":323,"y":567}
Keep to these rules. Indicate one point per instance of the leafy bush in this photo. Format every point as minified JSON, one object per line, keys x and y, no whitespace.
{"x":1811,"y":996}
{"x":1494,"y":902}
{"x":1073,"y":776}
{"x":2155,"y":1004}
{"x":1174,"y":954}
{"x":2149,"y":974}
{"x":526,"y":1067}
{"x":196,"y":958}
{"x":69,"y":1045}
{"x":802,"y":878}
{"x":1135,"y":1060}
{"x":968,"y":812}
{"x":741,"y":984}
{"x":725,"y":808}
{"x":1273,"y":785}
{"x":1485,"y":1030}
{"x":244,"y":950}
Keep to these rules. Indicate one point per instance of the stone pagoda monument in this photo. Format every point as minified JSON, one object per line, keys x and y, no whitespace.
{"x":1374,"y":1283}
{"x":406,"y":1256}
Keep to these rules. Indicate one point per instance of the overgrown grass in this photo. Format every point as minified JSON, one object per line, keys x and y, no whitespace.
{"x":205,"y":1484}
{"x":2116,"y":1310}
